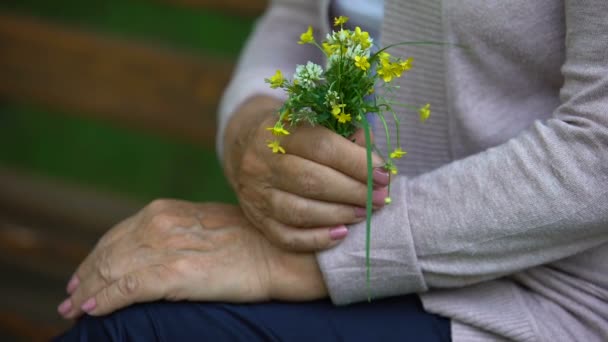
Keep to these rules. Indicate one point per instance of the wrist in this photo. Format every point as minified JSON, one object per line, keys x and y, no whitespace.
{"x":294,"y":276}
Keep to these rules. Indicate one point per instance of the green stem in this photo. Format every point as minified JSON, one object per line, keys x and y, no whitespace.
{"x":386,"y":132}
{"x":397,"y":124}
{"x":401,"y":104}
{"x":368,"y":205}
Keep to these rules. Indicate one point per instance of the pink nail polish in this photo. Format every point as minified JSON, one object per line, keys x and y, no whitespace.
{"x":73,"y":284}
{"x":338,"y":233}
{"x":381,"y":177}
{"x":65,"y":307}
{"x":378,"y":196}
{"x":89,"y":305}
{"x":360,"y":212}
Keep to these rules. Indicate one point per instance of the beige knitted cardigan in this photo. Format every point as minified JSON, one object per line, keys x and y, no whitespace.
{"x":500,"y":218}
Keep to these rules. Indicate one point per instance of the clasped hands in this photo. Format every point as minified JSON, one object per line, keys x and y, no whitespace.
{"x":291,"y":206}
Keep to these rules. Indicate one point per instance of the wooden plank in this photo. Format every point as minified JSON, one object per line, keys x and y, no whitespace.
{"x":241,"y":7}
{"x":48,"y":226}
{"x":37,"y":251}
{"x":38,"y":200}
{"x":129,"y":83}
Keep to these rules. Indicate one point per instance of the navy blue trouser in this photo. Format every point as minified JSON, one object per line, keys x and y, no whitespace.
{"x":394,"y":319}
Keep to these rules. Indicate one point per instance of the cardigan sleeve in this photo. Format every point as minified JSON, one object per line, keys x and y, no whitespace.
{"x":538,"y":198}
{"x":271,"y":46}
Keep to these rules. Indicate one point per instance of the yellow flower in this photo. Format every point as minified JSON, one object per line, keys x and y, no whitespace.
{"x":330,"y":48}
{"x":406,"y":64}
{"x":388,"y":71}
{"x":425,"y":112}
{"x":337,"y":109}
{"x":398,"y":153}
{"x":343,"y":117}
{"x":361,"y":37}
{"x":276,"y":80}
{"x":278,"y":129}
{"x":362,"y":63}
{"x":341,"y":20}
{"x":391,"y":168}
{"x":275,"y":146}
{"x":384,"y":57}
{"x":307,"y":37}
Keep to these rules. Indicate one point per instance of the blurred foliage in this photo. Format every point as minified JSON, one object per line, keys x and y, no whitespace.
{"x":102,"y":155}
{"x":107,"y":157}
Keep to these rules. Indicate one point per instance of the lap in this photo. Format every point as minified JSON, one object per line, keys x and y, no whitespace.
{"x":394,"y":319}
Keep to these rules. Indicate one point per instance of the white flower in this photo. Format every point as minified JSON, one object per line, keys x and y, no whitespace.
{"x":308,"y":75}
{"x":331,"y":98}
{"x":356,"y":50}
{"x":343,"y":37}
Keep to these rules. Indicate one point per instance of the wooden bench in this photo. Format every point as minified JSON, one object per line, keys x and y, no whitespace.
{"x":48,"y":226}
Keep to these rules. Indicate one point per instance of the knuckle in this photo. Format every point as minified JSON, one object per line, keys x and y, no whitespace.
{"x":287,"y":242}
{"x":162,"y":222}
{"x":159,"y":205}
{"x":181,"y":266}
{"x":325,"y":148}
{"x":104,"y":268}
{"x":310,"y":184}
{"x":318,"y":242}
{"x":128,"y":285}
{"x":176,"y":241}
{"x":288,"y":210}
{"x":297,"y":213}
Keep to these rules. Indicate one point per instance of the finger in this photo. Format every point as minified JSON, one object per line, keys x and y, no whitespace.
{"x":300,"y":212}
{"x":309,"y":179}
{"x":95,"y":272}
{"x":359,"y":137}
{"x":321,"y":145}
{"x":380,"y":175}
{"x":114,"y":234}
{"x":144,"y":285}
{"x":103,"y":268}
{"x":302,"y":240}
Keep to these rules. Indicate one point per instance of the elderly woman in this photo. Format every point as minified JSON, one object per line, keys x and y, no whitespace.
{"x":498,"y":228}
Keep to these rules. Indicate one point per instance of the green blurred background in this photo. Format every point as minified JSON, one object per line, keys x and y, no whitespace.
{"x":99,"y":154}
{"x":46,"y":230}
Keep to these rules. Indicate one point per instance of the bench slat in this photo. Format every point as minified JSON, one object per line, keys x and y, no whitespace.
{"x":129,"y":83}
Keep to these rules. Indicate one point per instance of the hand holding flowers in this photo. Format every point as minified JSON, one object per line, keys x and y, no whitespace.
{"x":338,"y":97}
{"x":302,"y":199}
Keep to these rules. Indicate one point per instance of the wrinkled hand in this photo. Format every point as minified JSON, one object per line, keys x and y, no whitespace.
{"x":300,"y":200}
{"x":176,"y":250}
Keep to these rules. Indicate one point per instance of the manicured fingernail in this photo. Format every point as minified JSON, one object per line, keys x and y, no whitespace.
{"x":89,"y":305}
{"x":65,"y":307}
{"x":381,"y":177}
{"x":73,"y":284}
{"x":338,"y":233}
{"x":378,"y":196}
{"x":360,"y":212}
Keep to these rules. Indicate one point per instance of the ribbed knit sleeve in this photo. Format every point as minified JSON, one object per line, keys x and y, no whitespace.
{"x":535,"y":199}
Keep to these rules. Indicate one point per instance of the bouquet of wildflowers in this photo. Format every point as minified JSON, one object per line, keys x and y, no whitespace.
{"x":339,"y":97}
